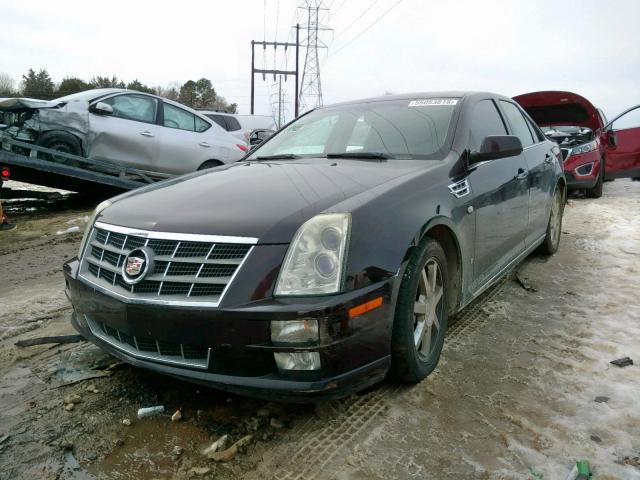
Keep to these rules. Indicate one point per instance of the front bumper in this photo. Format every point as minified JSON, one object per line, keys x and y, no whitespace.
{"x":582,"y":171}
{"x":354,"y":353}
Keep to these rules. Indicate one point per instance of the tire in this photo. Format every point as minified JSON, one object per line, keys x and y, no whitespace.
{"x":210,"y":164}
{"x":596,"y":191}
{"x":425,"y":276}
{"x":554,"y":227}
{"x":62,"y":142}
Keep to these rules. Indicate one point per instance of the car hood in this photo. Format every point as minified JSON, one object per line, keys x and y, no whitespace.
{"x":267,"y":200}
{"x":560,"y":108}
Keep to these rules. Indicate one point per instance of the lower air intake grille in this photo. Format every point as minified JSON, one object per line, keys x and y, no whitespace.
{"x":151,"y":349}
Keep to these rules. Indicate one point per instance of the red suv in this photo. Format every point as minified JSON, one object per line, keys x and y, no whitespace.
{"x":593,"y":149}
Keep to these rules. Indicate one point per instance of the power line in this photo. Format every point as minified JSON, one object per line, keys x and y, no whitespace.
{"x":357,"y":18}
{"x":366,"y":29}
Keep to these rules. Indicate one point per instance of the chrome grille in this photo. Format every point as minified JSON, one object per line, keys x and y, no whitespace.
{"x":150,"y":348}
{"x":186,"y":270}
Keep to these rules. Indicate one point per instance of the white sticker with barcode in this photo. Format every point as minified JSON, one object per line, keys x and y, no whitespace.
{"x":430,"y":102}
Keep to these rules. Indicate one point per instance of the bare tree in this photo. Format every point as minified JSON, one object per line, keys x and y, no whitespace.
{"x":7,"y":84}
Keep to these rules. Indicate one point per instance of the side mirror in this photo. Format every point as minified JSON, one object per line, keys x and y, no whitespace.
{"x":612,"y":139}
{"x":496,"y":146}
{"x":101,"y":108}
{"x":259,"y":136}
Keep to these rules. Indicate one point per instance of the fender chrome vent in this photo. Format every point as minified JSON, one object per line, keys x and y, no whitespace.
{"x":460,"y":189}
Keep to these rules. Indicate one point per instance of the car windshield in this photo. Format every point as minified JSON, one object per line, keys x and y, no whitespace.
{"x":390,"y":129}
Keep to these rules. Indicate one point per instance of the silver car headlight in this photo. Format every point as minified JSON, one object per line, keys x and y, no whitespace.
{"x":315,"y":260}
{"x":101,"y":206}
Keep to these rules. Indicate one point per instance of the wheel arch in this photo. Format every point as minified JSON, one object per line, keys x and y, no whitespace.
{"x":210,"y":163}
{"x":442,"y":230}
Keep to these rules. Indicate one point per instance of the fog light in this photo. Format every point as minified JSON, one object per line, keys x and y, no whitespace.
{"x":584,"y":170}
{"x":298,"y":361}
{"x":294,"y":331}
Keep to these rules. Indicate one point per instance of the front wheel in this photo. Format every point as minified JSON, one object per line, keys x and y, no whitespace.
{"x":596,"y":191}
{"x":420,"y":320}
{"x":554,"y":227}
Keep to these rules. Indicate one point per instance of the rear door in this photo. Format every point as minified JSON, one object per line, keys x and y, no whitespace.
{"x":500,"y":198}
{"x":623,"y":145}
{"x":130,"y":135}
{"x":186,"y":142}
{"x":539,"y":159}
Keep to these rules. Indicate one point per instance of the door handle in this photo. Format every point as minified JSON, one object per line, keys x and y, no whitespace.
{"x":548,"y":159}
{"x":522,"y":174}
{"x":204,"y":144}
{"x":147,"y":133}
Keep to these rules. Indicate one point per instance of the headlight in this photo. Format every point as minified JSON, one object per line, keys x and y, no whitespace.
{"x":90,"y":223}
{"x":584,"y":148}
{"x":315,"y":260}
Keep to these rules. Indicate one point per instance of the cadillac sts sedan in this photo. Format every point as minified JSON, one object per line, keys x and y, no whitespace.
{"x":329,"y":257}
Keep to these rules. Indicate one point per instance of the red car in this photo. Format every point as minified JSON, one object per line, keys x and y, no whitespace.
{"x":593,"y":149}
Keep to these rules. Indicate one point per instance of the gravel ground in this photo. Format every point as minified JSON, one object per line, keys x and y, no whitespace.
{"x":514,"y":396}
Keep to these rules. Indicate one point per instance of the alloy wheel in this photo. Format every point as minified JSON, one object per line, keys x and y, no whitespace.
{"x":428,"y":309}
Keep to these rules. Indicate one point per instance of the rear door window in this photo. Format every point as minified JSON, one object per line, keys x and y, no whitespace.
{"x":232,"y":123}
{"x":175,"y":117}
{"x":219,"y":119}
{"x":517,"y":122}
{"x":201,"y":125}
{"x":134,"y":107}
{"x":485,"y":121}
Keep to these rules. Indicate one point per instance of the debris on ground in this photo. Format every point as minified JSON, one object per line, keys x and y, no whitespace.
{"x":126,"y":422}
{"x":216,"y":446}
{"x":535,"y":475}
{"x":580,"y":471}
{"x":225,"y":455}
{"x":176,"y":452}
{"x":30,"y":342}
{"x":200,"y":471}
{"x":72,"y":398}
{"x":150,"y":411}
{"x":596,"y":438}
{"x":631,"y":461}
{"x":75,"y":229}
{"x":275,"y":423}
{"x":524,"y":283}
{"x":601,"y":399}
{"x":92,"y":388}
{"x":177,"y":416}
{"x":622,"y":362}
{"x":83,"y":363}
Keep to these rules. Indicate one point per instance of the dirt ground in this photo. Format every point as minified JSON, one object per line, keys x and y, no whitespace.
{"x":524,"y":388}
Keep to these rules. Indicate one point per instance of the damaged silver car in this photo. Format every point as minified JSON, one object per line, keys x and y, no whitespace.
{"x":134,"y":129}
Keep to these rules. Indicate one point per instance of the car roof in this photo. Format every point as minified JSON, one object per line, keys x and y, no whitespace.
{"x":420,"y":95}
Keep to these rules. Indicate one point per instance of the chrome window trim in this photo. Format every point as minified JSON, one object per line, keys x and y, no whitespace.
{"x":187,"y":237}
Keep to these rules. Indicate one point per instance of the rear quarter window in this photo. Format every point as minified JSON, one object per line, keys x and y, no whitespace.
{"x":232,"y":124}
{"x":219,"y":119}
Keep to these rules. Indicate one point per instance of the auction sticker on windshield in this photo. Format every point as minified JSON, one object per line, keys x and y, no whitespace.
{"x":429,"y":102}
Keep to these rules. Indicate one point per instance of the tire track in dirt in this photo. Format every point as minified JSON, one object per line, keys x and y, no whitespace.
{"x":315,"y":442}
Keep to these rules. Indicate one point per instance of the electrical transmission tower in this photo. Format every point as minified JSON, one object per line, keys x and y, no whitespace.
{"x":311,"y":85}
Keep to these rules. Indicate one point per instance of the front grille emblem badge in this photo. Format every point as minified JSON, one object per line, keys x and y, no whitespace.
{"x":136,"y":265}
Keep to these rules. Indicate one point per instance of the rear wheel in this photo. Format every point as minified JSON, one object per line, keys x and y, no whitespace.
{"x":210,"y":164}
{"x":554,"y":227}
{"x":596,"y":191}
{"x":420,"y":320}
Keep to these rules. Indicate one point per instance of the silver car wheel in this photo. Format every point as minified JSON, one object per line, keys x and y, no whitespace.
{"x":427,"y":311}
{"x":556,"y":218}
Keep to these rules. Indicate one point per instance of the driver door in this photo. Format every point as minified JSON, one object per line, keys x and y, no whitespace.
{"x":623,"y":145}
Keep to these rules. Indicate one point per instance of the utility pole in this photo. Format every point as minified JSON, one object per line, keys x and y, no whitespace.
{"x":264,"y":72}
{"x":280,"y":102}
{"x":311,"y":87}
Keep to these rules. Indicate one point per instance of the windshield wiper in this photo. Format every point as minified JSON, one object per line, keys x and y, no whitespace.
{"x":361,"y":155}
{"x":280,"y":156}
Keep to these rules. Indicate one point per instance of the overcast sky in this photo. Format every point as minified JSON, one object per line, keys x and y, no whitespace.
{"x":510,"y":47}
